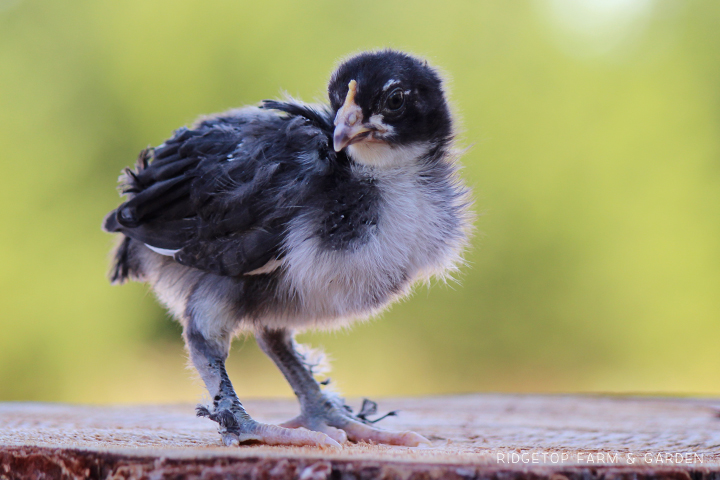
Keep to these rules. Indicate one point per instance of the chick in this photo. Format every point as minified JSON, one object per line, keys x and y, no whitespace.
{"x":288,"y":216}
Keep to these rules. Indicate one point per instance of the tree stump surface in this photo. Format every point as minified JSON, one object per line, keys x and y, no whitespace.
{"x":473,"y":436}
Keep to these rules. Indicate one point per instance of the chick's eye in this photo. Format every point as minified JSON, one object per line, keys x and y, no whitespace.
{"x":395,"y":101}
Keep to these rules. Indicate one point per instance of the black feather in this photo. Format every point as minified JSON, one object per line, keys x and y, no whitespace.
{"x":223,"y":191}
{"x":121,"y":263}
{"x":320,"y":117}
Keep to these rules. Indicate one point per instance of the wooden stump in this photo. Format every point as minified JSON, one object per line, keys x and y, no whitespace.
{"x":473,"y":436}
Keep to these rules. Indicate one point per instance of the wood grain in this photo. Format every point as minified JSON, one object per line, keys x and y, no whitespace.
{"x":473,"y":436}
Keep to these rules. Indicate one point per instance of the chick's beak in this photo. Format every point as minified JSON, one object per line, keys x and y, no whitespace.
{"x":349,"y":126}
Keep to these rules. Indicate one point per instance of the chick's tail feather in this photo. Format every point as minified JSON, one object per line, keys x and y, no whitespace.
{"x":122,"y":265}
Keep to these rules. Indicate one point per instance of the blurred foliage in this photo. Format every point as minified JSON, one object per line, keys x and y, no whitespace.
{"x":594,"y":129}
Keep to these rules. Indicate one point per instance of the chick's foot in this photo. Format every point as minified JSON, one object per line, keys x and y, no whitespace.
{"x":235,"y":429}
{"x":336,"y":421}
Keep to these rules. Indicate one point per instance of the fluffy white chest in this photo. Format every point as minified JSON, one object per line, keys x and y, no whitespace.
{"x":408,"y":244}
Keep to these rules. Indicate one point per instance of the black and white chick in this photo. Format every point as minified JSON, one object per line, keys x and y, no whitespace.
{"x":287,"y":216}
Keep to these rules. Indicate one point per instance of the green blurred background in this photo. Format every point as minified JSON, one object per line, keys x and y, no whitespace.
{"x":594,"y":128}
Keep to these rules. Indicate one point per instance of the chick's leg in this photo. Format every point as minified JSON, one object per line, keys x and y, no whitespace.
{"x":235,"y":425}
{"x":319,"y":411}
